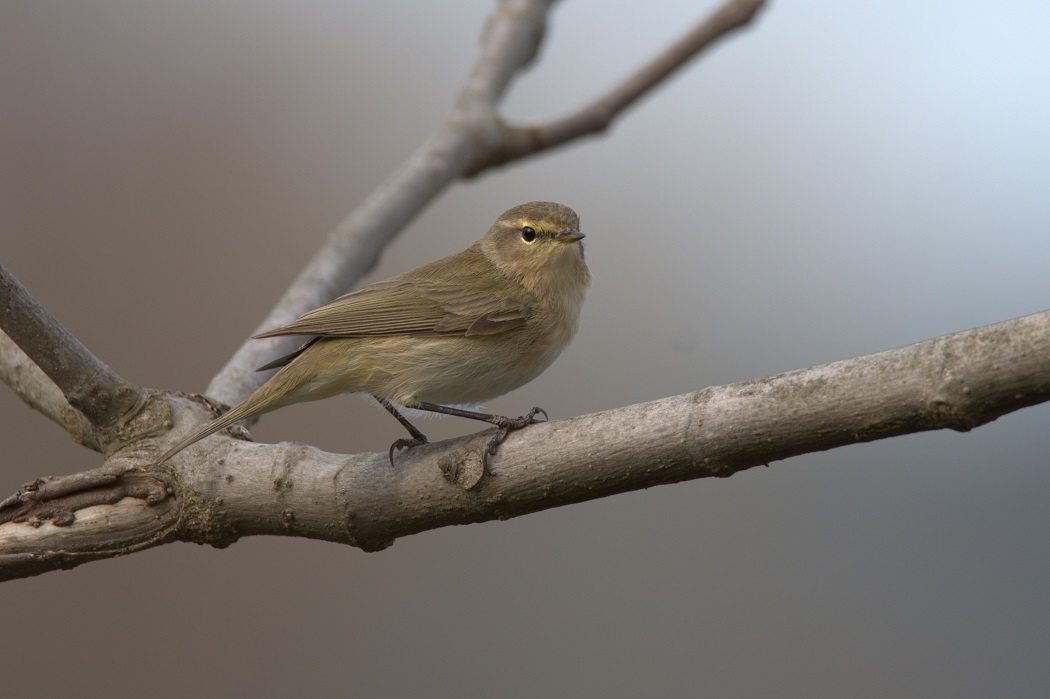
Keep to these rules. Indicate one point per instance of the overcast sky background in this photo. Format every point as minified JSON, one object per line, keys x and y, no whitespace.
{"x":841,"y":178}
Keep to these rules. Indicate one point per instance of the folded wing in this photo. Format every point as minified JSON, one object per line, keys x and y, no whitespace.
{"x":410,"y":307}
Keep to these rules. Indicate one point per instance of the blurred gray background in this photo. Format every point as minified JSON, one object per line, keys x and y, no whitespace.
{"x":842,"y":178}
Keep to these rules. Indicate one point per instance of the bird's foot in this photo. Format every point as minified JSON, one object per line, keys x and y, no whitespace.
{"x":405,"y":443}
{"x":507,"y":425}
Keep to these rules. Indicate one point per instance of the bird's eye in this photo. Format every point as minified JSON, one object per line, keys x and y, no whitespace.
{"x":528,"y":234}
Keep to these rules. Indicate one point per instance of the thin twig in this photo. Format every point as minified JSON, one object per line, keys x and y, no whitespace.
{"x":510,"y":42}
{"x":522,"y":141}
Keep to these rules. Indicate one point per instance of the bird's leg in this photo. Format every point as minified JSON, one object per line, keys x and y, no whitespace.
{"x":505,"y":424}
{"x":417,"y":436}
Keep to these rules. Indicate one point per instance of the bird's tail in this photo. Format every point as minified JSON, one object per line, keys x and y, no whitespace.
{"x":264,"y":399}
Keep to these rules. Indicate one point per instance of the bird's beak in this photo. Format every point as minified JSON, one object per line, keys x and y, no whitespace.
{"x":569,"y":236}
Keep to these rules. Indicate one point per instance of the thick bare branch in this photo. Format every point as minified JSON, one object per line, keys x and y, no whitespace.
{"x":88,"y":385}
{"x":957,"y":382}
{"x":472,"y":139}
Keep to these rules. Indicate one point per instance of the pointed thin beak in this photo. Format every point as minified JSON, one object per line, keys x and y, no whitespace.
{"x":570,"y":236}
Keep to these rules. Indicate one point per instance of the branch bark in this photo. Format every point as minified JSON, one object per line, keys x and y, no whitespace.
{"x":957,"y":381}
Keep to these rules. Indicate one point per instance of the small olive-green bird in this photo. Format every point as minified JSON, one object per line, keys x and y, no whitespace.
{"x":459,"y":331}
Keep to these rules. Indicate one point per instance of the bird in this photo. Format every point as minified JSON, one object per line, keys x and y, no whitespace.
{"x":443,"y":338}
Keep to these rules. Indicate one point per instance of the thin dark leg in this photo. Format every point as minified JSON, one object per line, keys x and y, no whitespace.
{"x":417,"y":436}
{"x":505,"y":424}
{"x":516,"y":423}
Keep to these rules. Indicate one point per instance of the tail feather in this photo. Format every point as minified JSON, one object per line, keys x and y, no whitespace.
{"x":264,"y":399}
{"x":238,"y":413}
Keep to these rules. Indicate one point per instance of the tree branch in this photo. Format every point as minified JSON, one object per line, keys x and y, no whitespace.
{"x":510,"y":42}
{"x":958,"y":382}
{"x":472,"y":139}
{"x":87,"y":384}
{"x":521,"y":141}
{"x":40,"y":393}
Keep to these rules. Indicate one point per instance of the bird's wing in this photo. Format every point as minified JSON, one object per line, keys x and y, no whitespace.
{"x":407,"y":306}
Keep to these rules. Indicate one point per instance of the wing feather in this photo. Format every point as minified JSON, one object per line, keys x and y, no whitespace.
{"x":416,"y":304}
